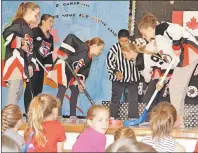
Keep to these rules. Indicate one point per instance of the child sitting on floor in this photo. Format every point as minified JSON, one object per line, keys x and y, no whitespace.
{"x":45,"y":133}
{"x":162,"y":120}
{"x":11,"y":122}
{"x":93,"y":138}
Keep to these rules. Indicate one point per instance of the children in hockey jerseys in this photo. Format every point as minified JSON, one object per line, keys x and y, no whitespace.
{"x":43,"y":47}
{"x":19,"y":61}
{"x":79,"y":56}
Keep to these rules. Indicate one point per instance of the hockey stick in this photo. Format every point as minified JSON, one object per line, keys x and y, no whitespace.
{"x":143,"y":116}
{"x":28,"y":74}
{"x":84,"y":90}
{"x":65,"y":93}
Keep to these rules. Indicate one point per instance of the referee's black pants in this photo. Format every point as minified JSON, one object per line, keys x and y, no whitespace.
{"x":131,"y":98}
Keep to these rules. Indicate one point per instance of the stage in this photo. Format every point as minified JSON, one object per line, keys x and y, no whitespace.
{"x":185,"y":137}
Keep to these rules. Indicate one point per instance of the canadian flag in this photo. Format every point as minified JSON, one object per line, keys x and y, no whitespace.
{"x":187,"y":19}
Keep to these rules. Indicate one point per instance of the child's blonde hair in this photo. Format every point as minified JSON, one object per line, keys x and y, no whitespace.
{"x":129,"y":47}
{"x":162,"y":119}
{"x":148,"y":20}
{"x":124,"y":132}
{"x":92,"y":112}
{"x":128,"y":145}
{"x":23,"y":7}
{"x":11,"y":114}
{"x":40,"y":108}
{"x":132,"y":47}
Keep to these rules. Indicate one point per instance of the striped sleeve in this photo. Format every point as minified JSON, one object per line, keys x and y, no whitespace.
{"x":67,"y":45}
{"x":111,"y":64}
{"x":11,"y":38}
{"x":66,"y":48}
{"x":71,"y":45}
{"x":117,"y":62}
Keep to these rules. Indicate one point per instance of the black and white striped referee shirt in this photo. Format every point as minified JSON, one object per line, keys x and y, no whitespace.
{"x":117,"y":62}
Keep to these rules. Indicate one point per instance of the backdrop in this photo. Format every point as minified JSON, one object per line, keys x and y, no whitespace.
{"x":86,"y":19}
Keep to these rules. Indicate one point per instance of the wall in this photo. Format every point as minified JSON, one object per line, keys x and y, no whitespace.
{"x":85,"y":19}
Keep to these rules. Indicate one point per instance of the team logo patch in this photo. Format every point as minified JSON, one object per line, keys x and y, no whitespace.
{"x":29,"y":42}
{"x":192,"y":91}
{"x":44,"y":49}
{"x":78,"y":64}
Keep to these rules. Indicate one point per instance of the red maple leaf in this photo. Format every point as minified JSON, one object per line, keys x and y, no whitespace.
{"x":193,"y":24}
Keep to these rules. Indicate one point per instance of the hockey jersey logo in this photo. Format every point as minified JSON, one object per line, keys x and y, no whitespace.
{"x":29,"y":42}
{"x":161,"y":58}
{"x":78,"y":64}
{"x":44,"y":49}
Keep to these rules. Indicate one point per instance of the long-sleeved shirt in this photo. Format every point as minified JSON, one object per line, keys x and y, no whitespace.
{"x":43,"y":47}
{"x":78,"y":58}
{"x":116,"y":62}
{"x":90,"y":141}
{"x":16,"y":59}
{"x":182,"y":39}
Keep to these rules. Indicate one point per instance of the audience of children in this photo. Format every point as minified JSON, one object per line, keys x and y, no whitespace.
{"x":42,"y":122}
{"x":12,"y":120}
{"x":162,"y":120}
{"x":93,"y":138}
{"x":49,"y":134}
{"x":9,"y":145}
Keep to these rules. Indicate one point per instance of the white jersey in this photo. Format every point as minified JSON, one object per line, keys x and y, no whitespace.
{"x":181,"y":39}
{"x":153,"y":65}
{"x":175,"y":33}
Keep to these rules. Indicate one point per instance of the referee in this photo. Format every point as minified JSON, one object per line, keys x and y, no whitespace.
{"x":123,"y":75}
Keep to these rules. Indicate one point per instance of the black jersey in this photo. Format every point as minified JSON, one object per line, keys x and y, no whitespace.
{"x":43,"y":46}
{"x":78,"y":58}
{"x":16,"y":59}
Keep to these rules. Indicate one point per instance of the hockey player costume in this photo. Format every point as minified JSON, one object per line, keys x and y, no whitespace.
{"x":77,"y":54}
{"x":15,"y":55}
{"x":17,"y":61}
{"x":43,"y":47}
{"x":153,"y":66}
{"x":179,"y":40}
